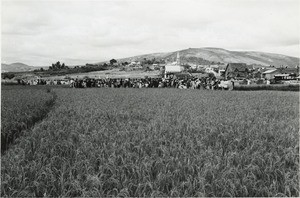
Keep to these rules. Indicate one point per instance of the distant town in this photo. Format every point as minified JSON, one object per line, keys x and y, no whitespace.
{"x":174,"y":66}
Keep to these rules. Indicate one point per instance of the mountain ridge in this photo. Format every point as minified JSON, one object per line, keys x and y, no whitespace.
{"x":17,"y":67}
{"x":211,"y":55}
{"x":198,"y":56}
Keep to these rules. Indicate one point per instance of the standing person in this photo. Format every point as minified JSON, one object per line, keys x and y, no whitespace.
{"x":212,"y":84}
{"x":83,"y":84}
{"x":197,"y":83}
{"x":151,"y":83}
{"x":172,"y":83}
{"x":176,"y":83}
{"x":76,"y":83}
{"x":232,"y":84}
{"x":72,"y":83}
{"x":146,"y":83}
{"x":121,"y":83}
{"x":126,"y":83}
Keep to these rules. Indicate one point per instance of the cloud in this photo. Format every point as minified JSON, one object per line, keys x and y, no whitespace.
{"x":76,"y":32}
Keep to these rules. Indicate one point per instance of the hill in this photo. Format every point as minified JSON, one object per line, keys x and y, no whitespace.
{"x":16,"y":67}
{"x":218,"y":55}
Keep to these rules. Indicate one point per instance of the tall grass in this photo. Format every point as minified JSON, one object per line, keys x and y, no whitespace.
{"x":159,"y":142}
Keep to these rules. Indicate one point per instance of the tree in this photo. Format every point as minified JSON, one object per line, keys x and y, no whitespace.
{"x":112,"y":61}
{"x":8,"y":75}
{"x":58,"y":65}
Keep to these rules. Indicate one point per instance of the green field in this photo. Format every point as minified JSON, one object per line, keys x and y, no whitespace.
{"x":159,"y":142}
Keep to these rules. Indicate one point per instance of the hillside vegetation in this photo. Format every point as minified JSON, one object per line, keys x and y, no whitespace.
{"x":159,"y":142}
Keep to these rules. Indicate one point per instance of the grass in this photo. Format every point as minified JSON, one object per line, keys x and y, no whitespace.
{"x":159,"y":142}
{"x":274,"y":87}
{"x":21,"y":108}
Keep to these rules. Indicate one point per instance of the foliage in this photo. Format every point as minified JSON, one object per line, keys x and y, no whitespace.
{"x":113,"y":61}
{"x":8,"y":75}
{"x":58,"y":66}
{"x":76,"y":69}
{"x":124,"y":63}
{"x":146,"y":61}
{"x":159,"y":142}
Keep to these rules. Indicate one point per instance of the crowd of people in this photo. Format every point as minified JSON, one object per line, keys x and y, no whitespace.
{"x":193,"y":83}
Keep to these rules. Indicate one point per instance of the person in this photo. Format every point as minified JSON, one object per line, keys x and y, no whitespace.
{"x":232,"y":84}
{"x":146,"y":84}
{"x":212,"y":84}
{"x":248,"y":82}
{"x":72,"y":83}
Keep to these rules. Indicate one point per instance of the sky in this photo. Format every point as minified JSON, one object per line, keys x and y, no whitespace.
{"x":76,"y":32}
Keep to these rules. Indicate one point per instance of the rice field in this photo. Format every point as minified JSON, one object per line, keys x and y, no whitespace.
{"x":159,"y":142}
{"x":21,"y":108}
{"x":273,"y":87}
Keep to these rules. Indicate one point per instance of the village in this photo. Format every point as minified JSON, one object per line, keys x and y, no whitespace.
{"x":150,"y":98}
{"x":212,"y":76}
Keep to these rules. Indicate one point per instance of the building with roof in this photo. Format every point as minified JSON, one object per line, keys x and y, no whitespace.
{"x":217,"y":70}
{"x":269,"y":74}
{"x":174,"y":67}
{"x":236,"y":70}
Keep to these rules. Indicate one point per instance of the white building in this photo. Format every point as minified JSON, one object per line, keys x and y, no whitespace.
{"x":174,"y":67}
{"x":215,"y":70}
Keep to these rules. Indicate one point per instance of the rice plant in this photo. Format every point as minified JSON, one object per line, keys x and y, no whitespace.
{"x":21,"y":109}
{"x":159,"y":142}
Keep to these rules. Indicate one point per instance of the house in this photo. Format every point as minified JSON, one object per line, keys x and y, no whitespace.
{"x":269,"y":74}
{"x":217,"y":70}
{"x":236,"y":70}
{"x":174,"y":67}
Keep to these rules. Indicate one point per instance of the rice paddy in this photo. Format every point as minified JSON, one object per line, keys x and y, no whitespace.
{"x":157,"y":142}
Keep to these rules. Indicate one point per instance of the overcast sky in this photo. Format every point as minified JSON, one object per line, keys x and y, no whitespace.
{"x":42,"y":32}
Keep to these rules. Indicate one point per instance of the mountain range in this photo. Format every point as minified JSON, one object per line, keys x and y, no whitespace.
{"x":199,"y":56}
{"x":16,"y":67}
{"x":209,"y":55}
